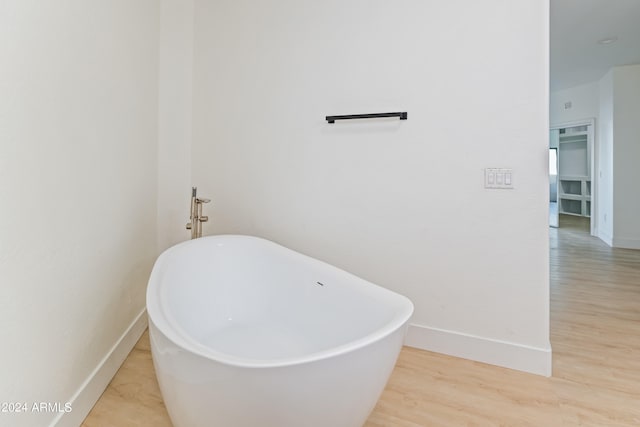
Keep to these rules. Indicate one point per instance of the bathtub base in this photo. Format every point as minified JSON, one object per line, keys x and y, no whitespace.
{"x":339,"y":391}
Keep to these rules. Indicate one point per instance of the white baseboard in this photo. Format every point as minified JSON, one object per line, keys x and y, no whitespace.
{"x":89,"y":392}
{"x":626,"y":243}
{"x":605,"y":238}
{"x":501,"y":353}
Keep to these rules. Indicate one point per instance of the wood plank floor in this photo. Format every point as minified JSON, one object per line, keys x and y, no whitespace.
{"x":595,"y":335}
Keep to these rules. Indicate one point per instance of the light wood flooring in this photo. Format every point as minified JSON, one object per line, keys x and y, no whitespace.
{"x":595,"y":335}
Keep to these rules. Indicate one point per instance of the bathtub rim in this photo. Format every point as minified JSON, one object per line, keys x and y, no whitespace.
{"x":172,"y":331}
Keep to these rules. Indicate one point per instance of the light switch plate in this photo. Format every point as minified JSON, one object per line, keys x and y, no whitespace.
{"x":498,"y":178}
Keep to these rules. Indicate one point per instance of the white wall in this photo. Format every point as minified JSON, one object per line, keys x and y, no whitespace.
{"x":399,"y":203}
{"x":626,"y":156}
{"x":584,"y":104}
{"x":604,"y":159}
{"x":175,"y":117}
{"x":574,"y":159}
{"x":618,"y":152}
{"x":78,"y":130}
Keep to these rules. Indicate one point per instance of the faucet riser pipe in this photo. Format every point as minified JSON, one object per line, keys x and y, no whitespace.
{"x":195,"y":216}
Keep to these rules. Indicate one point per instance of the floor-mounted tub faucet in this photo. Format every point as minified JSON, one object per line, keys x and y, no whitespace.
{"x":196,"y":218}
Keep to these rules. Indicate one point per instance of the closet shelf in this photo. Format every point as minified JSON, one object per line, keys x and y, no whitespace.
{"x":574,"y":195}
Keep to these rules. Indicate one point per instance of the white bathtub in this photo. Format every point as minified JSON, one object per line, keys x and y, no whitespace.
{"x":247,"y":333}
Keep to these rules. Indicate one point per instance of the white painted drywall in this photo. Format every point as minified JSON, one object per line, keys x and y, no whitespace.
{"x":400,"y":203}
{"x":574,"y":159}
{"x":604,"y":159}
{"x":78,"y":141}
{"x":584,"y":104}
{"x":175,"y":116}
{"x":626,"y":155}
{"x":619,"y":149}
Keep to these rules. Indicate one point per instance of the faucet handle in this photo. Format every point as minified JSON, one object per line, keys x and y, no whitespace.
{"x":188,"y":226}
{"x":199,"y":200}
{"x":203,"y":218}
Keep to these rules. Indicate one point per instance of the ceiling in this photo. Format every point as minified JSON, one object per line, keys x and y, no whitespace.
{"x":577,"y":26}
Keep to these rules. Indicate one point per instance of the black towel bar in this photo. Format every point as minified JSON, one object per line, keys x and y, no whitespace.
{"x":401,"y":115}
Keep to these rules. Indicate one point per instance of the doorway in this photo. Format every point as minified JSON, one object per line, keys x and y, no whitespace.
{"x":571,"y":188}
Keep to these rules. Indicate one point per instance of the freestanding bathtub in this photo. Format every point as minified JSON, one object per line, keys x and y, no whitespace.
{"x":247,"y":333}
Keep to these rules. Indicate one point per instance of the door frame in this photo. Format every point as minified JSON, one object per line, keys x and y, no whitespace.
{"x":591,"y":149}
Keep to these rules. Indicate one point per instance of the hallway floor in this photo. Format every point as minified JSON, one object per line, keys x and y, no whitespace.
{"x":595,"y":335}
